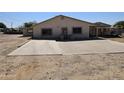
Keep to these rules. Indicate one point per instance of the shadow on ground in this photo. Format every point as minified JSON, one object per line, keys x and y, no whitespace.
{"x":68,"y":40}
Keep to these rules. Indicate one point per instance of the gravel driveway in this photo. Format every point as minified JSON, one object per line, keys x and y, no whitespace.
{"x":46,"y":47}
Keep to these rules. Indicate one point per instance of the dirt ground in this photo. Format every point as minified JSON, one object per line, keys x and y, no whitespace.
{"x":98,"y":67}
{"x":119,"y":39}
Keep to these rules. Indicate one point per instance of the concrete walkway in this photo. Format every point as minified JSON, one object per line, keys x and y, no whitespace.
{"x":38,"y":47}
{"x":91,"y":47}
{"x":46,"y":47}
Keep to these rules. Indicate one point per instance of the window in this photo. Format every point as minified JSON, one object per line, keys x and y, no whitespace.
{"x":104,"y":29}
{"x":77,"y":30}
{"x":47,"y":31}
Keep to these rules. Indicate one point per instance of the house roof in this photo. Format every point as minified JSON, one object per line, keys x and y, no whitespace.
{"x":77,"y":19}
{"x":66,"y":17}
{"x":101,"y":24}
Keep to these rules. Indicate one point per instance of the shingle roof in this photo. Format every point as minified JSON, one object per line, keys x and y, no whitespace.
{"x":66,"y":17}
{"x":76,"y":19}
{"x":101,"y":24}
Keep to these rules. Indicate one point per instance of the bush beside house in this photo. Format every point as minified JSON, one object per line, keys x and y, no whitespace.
{"x":2,"y":27}
{"x":119,"y":28}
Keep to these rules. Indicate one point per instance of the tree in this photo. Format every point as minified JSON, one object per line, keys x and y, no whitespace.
{"x":2,"y":25}
{"x":29,"y":24}
{"x":119,"y":25}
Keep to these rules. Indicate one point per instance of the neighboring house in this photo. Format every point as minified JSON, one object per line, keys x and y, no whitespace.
{"x":63,"y":27}
{"x":27,"y":31}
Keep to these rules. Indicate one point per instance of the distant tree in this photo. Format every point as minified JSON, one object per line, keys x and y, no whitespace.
{"x":2,"y":25}
{"x":29,"y":24}
{"x":119,"y":25}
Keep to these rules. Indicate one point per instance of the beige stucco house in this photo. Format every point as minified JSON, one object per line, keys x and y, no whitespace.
{"x":64,"y":28}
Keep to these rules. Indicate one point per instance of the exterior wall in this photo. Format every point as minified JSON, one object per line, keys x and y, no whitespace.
{"x":57,"y":24}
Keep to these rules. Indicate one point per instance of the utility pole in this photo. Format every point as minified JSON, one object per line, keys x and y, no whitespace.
{"x":11,"y":24}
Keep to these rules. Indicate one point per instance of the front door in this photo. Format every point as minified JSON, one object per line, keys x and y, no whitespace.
{"x":65,"y":33}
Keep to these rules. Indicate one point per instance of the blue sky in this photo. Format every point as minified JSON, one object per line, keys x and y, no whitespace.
{"x":18,"y":18}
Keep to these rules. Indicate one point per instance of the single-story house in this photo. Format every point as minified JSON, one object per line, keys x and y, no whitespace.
{"x":64,"y":27}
